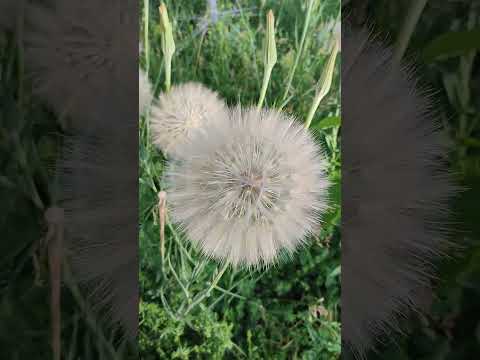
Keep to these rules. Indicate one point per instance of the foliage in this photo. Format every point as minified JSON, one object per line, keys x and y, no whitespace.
{"x":198,"y":337}
{"x":447,"y":62}
{"x":30,"y":140}
{"x":291,"y":310}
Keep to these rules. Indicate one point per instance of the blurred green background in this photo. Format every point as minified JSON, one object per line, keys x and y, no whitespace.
{"x":444,"y":47}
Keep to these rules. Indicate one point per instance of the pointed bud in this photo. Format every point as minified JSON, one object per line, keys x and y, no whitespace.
{"x":168,"y":44}
{"x":325,"y":83}
{"x":270,"y":56}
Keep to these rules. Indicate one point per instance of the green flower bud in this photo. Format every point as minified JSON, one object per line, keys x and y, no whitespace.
{"x":168,"y":44}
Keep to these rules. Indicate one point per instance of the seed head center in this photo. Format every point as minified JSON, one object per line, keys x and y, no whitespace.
{"x":252,"y":187}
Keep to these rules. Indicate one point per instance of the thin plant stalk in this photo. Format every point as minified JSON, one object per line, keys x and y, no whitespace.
{"x":270,"y":56}
{"x":168,"y":75}
{"x":146,"y":29}
{"x":177,"y":240}
{"x":168,"y":44}
{"x":54,"y":218}
{"x":300,"y":50}
{"x":266,"y":79}
{"x":162,"y":195}
{"x":22,"y":156}
{"x":168,"y":49}
{"x":20,"y":50}
{"x":465,"y":76}
{"x":251,"y":37}
{"x":22,"y":161}
{"x":411,"y":20}
{"x":74,"y":339}
{"x":325,"y":83}
{"x":206,"y":294}
{"x":85,"y":308}
{"x":177,"y":278}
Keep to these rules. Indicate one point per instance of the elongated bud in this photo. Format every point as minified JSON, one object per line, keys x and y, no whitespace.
{"x":269,"y":56}
{"x":168,"y":44}
{"x":270,"y":44}
{"x":325,"y":83}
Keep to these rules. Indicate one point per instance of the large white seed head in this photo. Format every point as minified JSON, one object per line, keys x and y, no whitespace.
{"x":249,"y":189}
{"x":144,"y":92}
{"x":180,"y":113}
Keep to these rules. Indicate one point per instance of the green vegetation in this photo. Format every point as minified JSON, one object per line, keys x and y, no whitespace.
{"x":291,"y":310}
{"x":444,"y":46}
{"x":31,"y":139}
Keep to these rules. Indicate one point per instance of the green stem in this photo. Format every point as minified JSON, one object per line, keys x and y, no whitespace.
{"x":161,"y":218}
{"x":90,"y":319}
{"x":178,"y":240}
{"x":177,"y":278}
{"x":324,"y":84}
{"x":311,"y":114}
{"x":146,"y":40}
{"x":21,"y":98}
{"x":20,"y":53}
{"x":266,"y":81}
{"x":168,"y":74}
{"x":206,"y":294}
{"x":168,"y":44}
{"x":411,"y":20}
{"x":22,"y":163}
{"x":300,"y":50}
{"x":464,"y":91}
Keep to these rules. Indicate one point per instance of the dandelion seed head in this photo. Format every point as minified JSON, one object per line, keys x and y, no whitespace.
{"x":249,"y":188}
{"x":180,"y":113}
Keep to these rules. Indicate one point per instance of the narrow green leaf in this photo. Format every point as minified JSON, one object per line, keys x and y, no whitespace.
{"x":452,"y":44}
{"x":329,"y":122}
